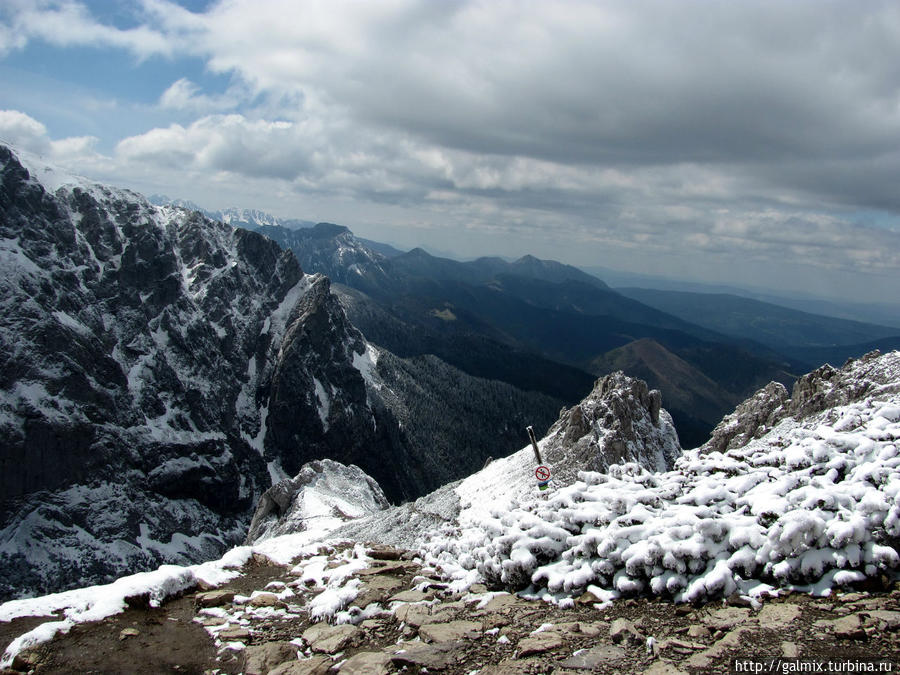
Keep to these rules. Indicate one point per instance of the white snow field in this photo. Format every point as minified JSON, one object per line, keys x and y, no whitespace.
{"x":810,"y":505}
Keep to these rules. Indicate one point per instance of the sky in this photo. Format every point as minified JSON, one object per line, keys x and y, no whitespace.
{"x":752,"y":143}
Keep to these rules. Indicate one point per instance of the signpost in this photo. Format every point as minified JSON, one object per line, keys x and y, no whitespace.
{"x":542,"y":473}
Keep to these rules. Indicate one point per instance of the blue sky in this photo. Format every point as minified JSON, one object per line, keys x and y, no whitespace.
{"x":751,"y":143}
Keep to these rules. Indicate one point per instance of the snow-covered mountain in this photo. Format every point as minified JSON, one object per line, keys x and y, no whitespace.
{"x":249,"y":219}
{"x":161,"y":370}
{"x":333,"y":250}
{"x":809,"y":499}
{"x":811,"y":503}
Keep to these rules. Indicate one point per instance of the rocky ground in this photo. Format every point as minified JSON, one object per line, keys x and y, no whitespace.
{"x":260,"y":623}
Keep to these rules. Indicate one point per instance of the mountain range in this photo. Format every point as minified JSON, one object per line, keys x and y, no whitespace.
{"x":163,"y":369}
{"x":545,"y":326}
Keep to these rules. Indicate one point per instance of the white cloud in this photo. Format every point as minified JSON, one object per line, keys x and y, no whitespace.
{"x":752,"y":132}
{"x":24,"y":132}
{"x":184,"y":95}
{"x":67,"y":23}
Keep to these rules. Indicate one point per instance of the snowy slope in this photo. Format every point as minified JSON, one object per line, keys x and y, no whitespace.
{"x":812,"y":503}
{"x":319,"y":499}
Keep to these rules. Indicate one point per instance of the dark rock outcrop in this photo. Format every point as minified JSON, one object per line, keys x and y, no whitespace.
{"x":159,"y":371}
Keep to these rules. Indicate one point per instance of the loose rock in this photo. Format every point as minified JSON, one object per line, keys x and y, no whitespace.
{"x":588,"y":659}
{"x":539,"y":643}
{"x":213,"y":598}
{"x":325,"y":639}
{"x":367,"y":663}
{"x":447,"y":632}
{"x":624,"y":630}
{"x":317,"y":665}
{"x":260,"y":659}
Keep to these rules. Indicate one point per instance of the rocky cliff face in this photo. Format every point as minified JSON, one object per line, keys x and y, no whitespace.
{"x":620,"y":421}
{"x":824,"y":388}
{"x":333,"y":251}
{"x":322,"y":496}
{"x":160,"y":371}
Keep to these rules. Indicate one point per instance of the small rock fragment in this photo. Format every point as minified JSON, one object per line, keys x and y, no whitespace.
{"x":126,"y":633}
{"x":213,"y":598}
{"x":233,"y":633}
{"x":624,"y":630}
{"x":448,"y":632}
{"x":790,"y":650}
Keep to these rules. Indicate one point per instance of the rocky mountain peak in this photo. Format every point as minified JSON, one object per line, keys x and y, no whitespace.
{"x":823,"y":388}
{"x":322,"y":495}
{"x":621,"y":420}
{"x":162,"y":365}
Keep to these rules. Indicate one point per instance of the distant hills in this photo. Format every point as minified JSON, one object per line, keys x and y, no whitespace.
{"x":539,"y":325}
{"x":799,"y":335}
{"x":548,"y":327}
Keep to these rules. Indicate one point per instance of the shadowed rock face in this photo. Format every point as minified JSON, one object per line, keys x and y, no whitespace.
{"x":159,"y":371}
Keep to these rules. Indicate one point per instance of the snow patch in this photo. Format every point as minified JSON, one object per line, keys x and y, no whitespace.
{"x":365,"y":363}
{"x":324,"y":403}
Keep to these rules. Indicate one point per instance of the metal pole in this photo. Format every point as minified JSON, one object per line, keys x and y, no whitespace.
{"x":537,"y":453}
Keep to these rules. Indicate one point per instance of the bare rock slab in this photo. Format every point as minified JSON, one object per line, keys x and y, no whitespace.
{"x":778,"y":615}
{"x":377,"y":588}
{"x":727,"y":618}
{"x":449,"y":632}
{"x":260,"y":659}
{"x":849,"y":627}
{"x":325,"y":639}
{"x":885,"y":619}
{"x":539,"y":643}
{"x":588,"y":659}
{"x":414,"y":615}
{"x":213,"y":598}
{"x":367,"y":663}
{"x":233,"y":633}
{"x":317,"y":665}
{"x":412,"y":596}
{"x":433,"y":657}
{"x":265,"y":600}
{"x":663,"y":668}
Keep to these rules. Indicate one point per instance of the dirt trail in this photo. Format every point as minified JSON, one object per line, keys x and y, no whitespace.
{"x":432,"y":630}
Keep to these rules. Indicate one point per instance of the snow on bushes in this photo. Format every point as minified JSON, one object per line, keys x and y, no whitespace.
{"x":808,"y":503}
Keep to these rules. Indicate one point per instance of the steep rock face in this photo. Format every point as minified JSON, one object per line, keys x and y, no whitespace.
{"x":334,"y":251}
{"x":620,"y":421}
{"x":824,"y":388}
{"x":321,"y":496}
{"x":159,"y":371}
{"x":751,"y":419}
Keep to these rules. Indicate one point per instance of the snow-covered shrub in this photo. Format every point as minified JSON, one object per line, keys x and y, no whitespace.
{"x":804,"y":504}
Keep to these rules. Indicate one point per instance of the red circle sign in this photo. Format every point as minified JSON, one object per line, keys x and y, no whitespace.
{"x":542,"y":473}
